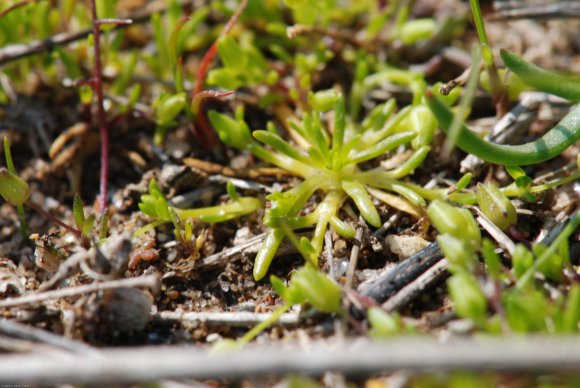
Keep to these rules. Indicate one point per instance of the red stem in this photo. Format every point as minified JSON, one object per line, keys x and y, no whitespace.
{"x":98,"y":88}
{"x":211,"y":53}
{"x":103,"y":130}
{"x":202,"y":128}
{"x":53,"y":218}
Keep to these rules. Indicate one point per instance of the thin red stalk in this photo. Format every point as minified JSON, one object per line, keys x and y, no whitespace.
{"x":200,"y":97}
{"x":103,"y":130}
{"x":53,"y":218}
{"x":203,"y":68}
{"x":211,"y":53}
{"x":98,"y":88}
{"x":202,"y":128}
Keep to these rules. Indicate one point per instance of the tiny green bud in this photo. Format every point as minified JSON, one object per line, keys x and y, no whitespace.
{"x":456,"y":251}
{"x":383,"y":324}
{"x":317,"y":289}
{"x":496,"y":206}
{"x":417,"y":30}
{"x":464,"y":181}
{"x":170,"y":108}
{"x":272,"y":77}
{"x":455,"y":221}
{"x":323,"y":100}
{"x":522,"y":180}
{"x":487,"y":55}
{"x":232,"y":132}
{"x":79,"y":214}
{"x":231,"y":189}
{"x":86,"y":94}
{"x":424,"y":123}
{"x":468,"y":298}
{"x":13,"y":189}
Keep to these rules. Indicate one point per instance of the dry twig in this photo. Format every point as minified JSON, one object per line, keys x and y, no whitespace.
{"x":237,"y":318}
{"x":354,"y":257}
{"x":19,"y":330}
{"x":147,"y":281}
{"x":403,"y":273}
{"x":532,"y":354}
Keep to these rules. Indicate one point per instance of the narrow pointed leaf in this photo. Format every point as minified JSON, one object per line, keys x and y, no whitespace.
{"x":363,"y":201}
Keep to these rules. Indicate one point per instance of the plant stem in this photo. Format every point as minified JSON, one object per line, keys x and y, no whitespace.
{"x":205,"y":134}
{"x":103,"y":130}
{"x":497,"y":90}
{"x":97,"y":86}
{"x":52,"y":218}
{"x":465,"y":104}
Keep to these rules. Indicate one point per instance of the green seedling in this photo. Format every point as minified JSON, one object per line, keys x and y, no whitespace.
{"x":156,"y":206}
{"x":456,"y":222}
{"x":497,"y":89}
{"x":16,"y":192}
{"x":468,"y":297}
{"x":523,"y":307}
{"x":496,"y":206}
{"x":86,"y":225}
{"x":308,"y":286}
{"x":243,"y":66}
{"x":14,"y":189}
{"x":383,"y":325}
{"x":167,"y":108}
{"x":328,"y":163}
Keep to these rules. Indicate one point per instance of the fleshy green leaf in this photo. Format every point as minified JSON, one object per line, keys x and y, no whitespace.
{"x":560,"y":85}
{"x":13,"y":189}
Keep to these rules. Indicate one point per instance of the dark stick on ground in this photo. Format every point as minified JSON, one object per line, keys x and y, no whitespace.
{"x":403,"y":273}
{"x":412,"y":268}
